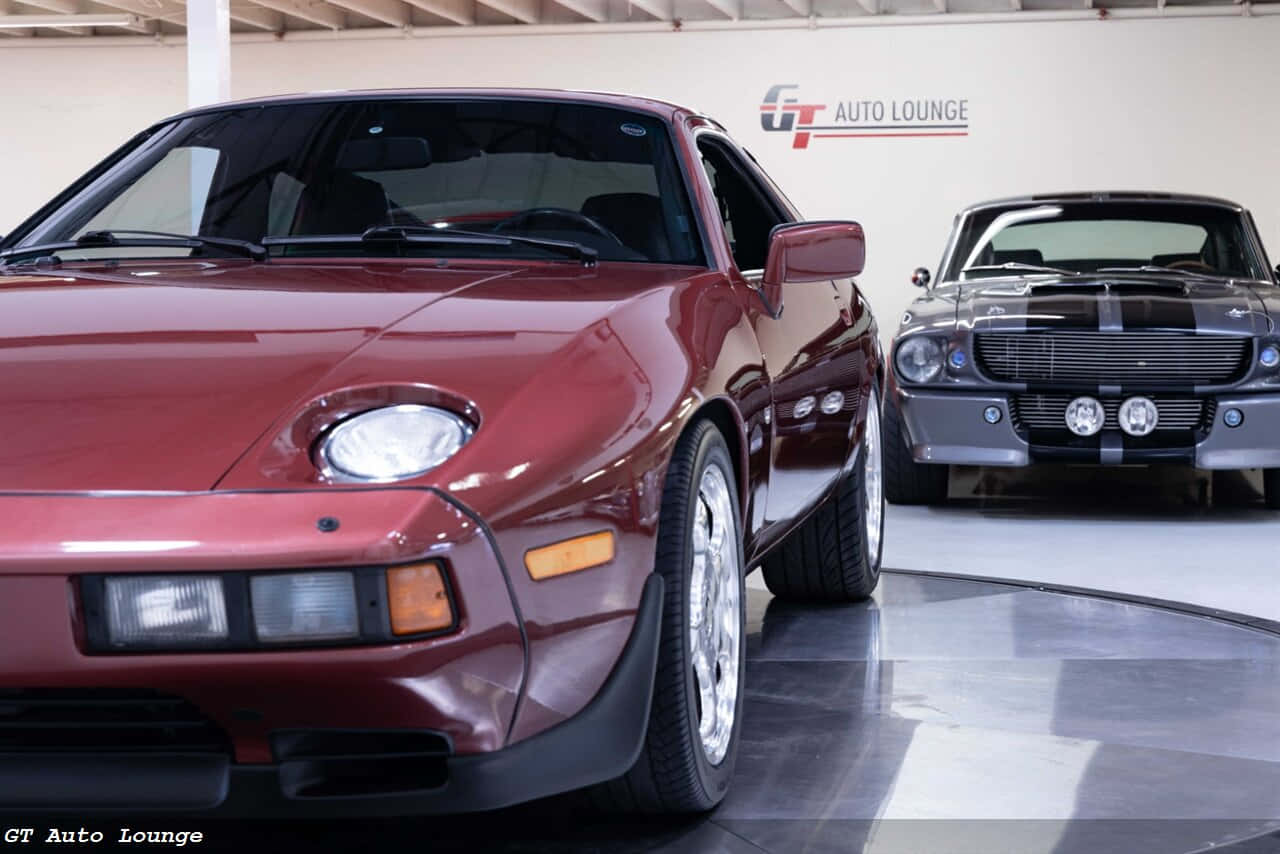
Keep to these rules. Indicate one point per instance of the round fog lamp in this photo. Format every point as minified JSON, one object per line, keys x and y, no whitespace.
{"x":958,"y":360}
{"x":1233,"y":417}
{"x":1138,"y":416}
{"x":1085,"y":416}
{"x":992,"y":415}
{"x":1269,"y":357}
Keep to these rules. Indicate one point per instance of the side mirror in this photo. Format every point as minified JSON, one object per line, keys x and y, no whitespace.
{"x":921,"y":278}
{"x":814,"y":252}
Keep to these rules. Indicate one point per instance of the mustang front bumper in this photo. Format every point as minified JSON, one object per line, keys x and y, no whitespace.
{"x":408,"y":727}
{"x":948,"y":428}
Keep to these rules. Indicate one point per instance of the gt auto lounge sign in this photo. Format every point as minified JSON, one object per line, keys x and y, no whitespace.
{"x":783,"y":111}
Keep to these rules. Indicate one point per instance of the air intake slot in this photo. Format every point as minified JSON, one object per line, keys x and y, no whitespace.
{"x":103,"y":720}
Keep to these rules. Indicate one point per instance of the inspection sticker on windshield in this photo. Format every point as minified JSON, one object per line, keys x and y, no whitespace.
{"x":633,"y":130}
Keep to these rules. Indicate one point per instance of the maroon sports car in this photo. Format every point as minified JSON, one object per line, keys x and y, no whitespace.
{"x":405,"y":452}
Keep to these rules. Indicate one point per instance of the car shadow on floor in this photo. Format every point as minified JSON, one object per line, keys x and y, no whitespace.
{"x":1128,"y":493}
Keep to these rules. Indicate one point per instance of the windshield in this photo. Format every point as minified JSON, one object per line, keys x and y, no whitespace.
{"x":1088,"y":237}
{"x":600,"y":177}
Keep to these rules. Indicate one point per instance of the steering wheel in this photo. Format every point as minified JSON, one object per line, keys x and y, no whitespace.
{"x":571,"y":219}
{"x":1188,"y":264}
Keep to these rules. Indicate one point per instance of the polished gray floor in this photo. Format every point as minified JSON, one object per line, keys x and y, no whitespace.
{"x":1162,"y":532}
{"x":952,"y":716}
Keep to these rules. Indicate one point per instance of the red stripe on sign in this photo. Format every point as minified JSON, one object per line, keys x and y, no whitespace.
{"x":868,"y":135}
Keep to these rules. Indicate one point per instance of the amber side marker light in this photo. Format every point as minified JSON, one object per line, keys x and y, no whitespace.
{"x":569,"y":555}
{"x":417,"y":599}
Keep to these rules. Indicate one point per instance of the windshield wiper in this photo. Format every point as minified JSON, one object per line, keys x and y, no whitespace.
{"x":125,"y":238}
{"x":1018,"y":266}
{"x":426,"y":236}
{"x":1155,"y":268}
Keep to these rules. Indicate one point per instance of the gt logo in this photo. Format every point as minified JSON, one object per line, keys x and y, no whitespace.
{"x":787,"y":115}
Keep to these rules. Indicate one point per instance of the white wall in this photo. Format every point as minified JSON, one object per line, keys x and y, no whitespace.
{"x":1186,"y":105}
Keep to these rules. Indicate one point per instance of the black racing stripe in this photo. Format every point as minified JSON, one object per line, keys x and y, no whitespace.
{"x":1060,"y":446}
{"x":1157,"y":311}
{"x":1050,"y":307}
{"x":1161,"y":446}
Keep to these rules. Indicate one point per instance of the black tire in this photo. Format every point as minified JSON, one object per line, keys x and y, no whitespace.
{"x":673,"y":773}
{"x":1271,"y":484}
{"x":905,"y":480}
{"x":828,"y":557}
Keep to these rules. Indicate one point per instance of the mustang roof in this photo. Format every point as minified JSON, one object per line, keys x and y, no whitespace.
{"x":632,"y":102}
{"x":1108,"y":196}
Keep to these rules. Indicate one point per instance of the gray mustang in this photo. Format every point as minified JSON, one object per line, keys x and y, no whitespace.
{"x":1102,"y":328}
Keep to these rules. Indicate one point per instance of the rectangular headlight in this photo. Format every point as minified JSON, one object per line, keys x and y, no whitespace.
{"x":304,"y":606}
{"x":165,"y":610}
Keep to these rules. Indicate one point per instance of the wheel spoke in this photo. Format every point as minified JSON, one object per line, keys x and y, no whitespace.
{"x":714,"y":636}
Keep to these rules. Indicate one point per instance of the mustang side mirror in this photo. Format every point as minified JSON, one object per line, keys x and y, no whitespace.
{"x":921,"y":278}
{"x":814,"y":252}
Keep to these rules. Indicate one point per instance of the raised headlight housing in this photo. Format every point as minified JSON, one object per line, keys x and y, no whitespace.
{"x":919,"y":359}
{"x":392,"y":443}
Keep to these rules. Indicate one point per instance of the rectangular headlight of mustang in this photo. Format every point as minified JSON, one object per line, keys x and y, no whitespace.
{"x":304,"y":606}
{"x":165,"y":610}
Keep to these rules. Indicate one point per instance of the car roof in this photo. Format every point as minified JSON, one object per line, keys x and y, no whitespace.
{"x":1108,"y":196}
{"x":637,"y":103}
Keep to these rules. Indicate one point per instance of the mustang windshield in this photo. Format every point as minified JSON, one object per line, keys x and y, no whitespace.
{"x":537,"y":176}
{"x":1087,"y":237}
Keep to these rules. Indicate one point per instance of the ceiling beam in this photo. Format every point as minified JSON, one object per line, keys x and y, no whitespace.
{"x":253,"y":15}
{"x":525,"y":11}
{"x":871,"y":7}
{"x":159,"y":10}
{"x":592,"y":10}
{"x":458,"y":11}
{"x":61,"y":7}
{"x":803,"y":8}
{"x":731,"y":9}
{"x":315,"y":12}
{"x":393,"y":13}
{"x":662,"y":10}
{"x":6,"y":8}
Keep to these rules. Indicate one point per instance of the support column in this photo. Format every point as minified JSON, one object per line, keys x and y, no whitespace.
{"x":208,"y":52}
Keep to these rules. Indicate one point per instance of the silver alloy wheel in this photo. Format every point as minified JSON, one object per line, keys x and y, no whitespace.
{"x":873,"y":480}
{"x":714,"y":613}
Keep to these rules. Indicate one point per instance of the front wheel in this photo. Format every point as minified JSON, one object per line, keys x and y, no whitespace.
{"x":834,"y":556}
{"x":692,"y":742}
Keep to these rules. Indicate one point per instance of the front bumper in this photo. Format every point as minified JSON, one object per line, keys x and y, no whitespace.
{"x":460,"y":692}
{"x":554,"y":761}
{"x":947,"y":428}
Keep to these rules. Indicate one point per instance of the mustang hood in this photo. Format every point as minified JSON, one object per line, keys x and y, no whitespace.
{"x":159,"y":376}
{"x":1113,"y":303}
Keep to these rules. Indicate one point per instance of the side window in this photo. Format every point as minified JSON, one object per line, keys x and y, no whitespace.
{"x":747,"y":212}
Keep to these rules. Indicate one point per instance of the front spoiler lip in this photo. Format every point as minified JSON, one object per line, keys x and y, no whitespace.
{"x":614,"y":722}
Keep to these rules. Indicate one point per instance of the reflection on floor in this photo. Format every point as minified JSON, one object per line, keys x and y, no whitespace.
{"x":948,"y":716}
{"x":1161,"y":532}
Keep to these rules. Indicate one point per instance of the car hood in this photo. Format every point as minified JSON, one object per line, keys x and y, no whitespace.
{"x":1114,"y":302}
{"x":162,"y":376}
